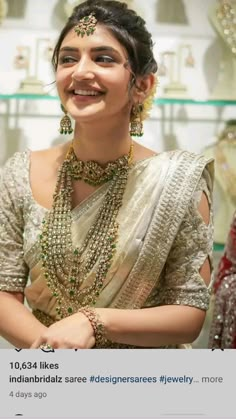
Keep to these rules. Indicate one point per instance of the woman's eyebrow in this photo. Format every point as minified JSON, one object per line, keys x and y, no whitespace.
{"x":69,"y":49}
{"x":101,"y":48}
{"x":105,"y":48}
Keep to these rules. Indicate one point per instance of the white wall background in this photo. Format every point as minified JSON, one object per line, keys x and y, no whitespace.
{"x":34,"y":124}
{"x":191,"y":127}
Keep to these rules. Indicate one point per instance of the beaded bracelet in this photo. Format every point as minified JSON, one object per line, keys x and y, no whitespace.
{"x":96,"y":323}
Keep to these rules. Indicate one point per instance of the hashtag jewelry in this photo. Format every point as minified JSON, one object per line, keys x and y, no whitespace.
{"x":96,"y":323}
{"x":65,"y":123}
{"x":136,"y":124}
{"x":46,"y":346}
{"x":86,"y":25}
{"x":226,"y":17}
{"x":66,"y":268}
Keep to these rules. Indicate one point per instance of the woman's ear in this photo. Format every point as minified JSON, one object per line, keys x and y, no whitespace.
{"x":142,"y":87}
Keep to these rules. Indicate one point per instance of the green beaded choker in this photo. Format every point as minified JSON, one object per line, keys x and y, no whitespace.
{"x":92,"y":172}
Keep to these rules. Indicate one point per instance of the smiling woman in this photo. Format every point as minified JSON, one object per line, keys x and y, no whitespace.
{"x":116,"y":239}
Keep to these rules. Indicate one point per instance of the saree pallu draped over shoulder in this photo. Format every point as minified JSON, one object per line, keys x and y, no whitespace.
{"x":162,"y":243}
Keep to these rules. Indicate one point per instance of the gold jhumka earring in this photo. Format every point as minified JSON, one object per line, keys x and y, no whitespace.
{"x":86,"y":25}
{"x":136,"y":124}
{"x":65,"y":123}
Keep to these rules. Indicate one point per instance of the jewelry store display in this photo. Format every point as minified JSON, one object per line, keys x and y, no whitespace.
{"x":175,"y":88}
{"x":32,"y":84}
{"x":171,"y":12}
{"x":70,"y":4}
{"x":222,"y":17}
{"x":223,"y":151}
{"x":227,"y":141}
{"x":226,"y":16}
{"x":21,"y":60}
{"x":3,"y":10}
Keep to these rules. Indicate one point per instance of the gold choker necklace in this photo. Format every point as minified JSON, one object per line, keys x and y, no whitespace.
{"x":67,"y":268}
{"x":92,"y":172}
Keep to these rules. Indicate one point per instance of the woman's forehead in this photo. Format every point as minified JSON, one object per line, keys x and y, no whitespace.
{"x":101,"y":37}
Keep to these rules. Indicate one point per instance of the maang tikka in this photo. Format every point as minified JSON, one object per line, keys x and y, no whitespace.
{"x":86,"y":25}
{"x":65,"y":123}
{"x":136,"y":124}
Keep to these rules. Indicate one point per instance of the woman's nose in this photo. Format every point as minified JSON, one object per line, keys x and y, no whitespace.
{"x":83,"y":70}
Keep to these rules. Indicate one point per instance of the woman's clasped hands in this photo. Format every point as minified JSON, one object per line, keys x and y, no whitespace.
{"x":73,"y":332}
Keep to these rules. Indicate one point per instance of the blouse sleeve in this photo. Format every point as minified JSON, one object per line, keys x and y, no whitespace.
{"x":181,"y":282}
{"x":13,"y":269}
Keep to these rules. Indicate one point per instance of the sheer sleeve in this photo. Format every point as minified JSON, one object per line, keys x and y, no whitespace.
{"x":13,"y":269}
{"x":181,"y":282}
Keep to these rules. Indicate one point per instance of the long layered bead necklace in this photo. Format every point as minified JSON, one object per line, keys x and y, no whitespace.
{"x":66,"y":268}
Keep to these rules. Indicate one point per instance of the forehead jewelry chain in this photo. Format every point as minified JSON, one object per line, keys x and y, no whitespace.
{"x":66,"y":267}
{"x":86,"y":26}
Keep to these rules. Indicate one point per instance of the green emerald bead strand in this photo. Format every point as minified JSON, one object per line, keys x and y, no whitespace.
{"x":66,"y":268}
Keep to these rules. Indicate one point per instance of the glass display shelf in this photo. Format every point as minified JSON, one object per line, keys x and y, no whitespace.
{"x":28,"y":96}
{"x":170,"y":101}
{"x":158,"y":101}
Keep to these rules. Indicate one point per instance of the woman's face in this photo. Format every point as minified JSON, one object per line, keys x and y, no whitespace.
{"x":92,"y":76}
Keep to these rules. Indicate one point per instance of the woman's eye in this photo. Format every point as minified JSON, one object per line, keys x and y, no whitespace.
{"x":67,"y":59}
{"x":105,"y":59}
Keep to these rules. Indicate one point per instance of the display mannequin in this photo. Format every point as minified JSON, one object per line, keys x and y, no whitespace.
{"x":222,"y":17}
{"x":224,"y":153}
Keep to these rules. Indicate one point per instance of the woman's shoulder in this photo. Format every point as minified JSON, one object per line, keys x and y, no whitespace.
{"x":190,"y":161}
{"x":16,"y":165}
{"x":187,"y":156}
{"x":50,"y":158}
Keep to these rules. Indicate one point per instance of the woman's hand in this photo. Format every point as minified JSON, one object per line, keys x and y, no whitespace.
{"x":73,"y":332}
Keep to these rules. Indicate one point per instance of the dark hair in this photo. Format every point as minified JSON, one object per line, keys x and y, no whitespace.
{"x":125,"y":25}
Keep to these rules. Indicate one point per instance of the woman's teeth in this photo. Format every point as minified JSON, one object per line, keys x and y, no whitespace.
{"x":86,"y":92}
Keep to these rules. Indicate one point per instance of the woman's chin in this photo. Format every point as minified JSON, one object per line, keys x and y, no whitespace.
{"x":85,"y":116}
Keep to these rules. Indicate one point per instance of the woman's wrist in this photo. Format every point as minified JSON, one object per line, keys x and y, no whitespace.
{"x":97,"y":324}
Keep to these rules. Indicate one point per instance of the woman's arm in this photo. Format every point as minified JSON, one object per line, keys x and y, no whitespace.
{"x":153,"y":327}
{"x":17,"y":324}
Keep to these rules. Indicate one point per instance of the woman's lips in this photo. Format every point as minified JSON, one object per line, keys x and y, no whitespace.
{"x":86,"y":95}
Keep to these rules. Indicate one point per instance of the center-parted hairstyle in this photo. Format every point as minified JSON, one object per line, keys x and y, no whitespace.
{"x":124,"y":24}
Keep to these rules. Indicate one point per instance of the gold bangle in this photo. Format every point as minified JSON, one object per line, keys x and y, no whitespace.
{"x":97,"y":325}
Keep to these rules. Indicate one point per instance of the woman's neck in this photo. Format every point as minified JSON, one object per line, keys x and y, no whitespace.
{"x":101,"y":143}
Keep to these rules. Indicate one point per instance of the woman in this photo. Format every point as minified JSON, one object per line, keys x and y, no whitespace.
{"x":115,"y":239}
{"x":223,"y":327}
